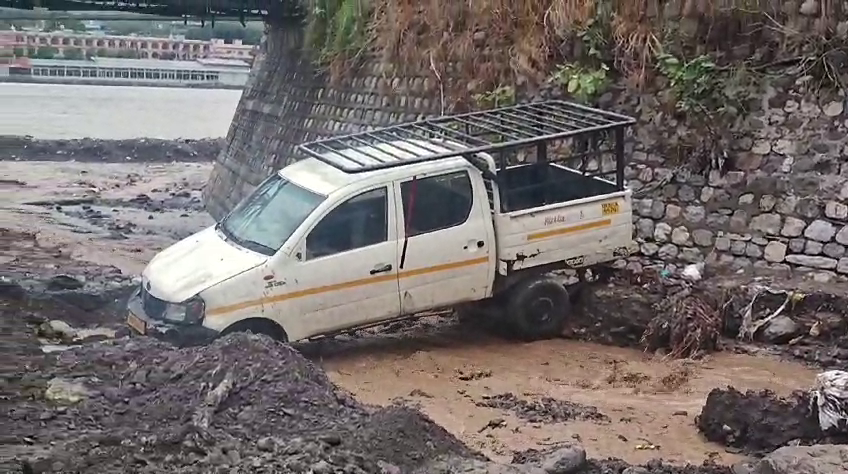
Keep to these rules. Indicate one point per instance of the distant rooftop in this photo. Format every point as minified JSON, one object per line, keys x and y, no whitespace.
{"x":214,"y":65}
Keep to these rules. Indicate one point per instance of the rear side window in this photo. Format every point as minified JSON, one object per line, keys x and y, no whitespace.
{"x":436,"y":202}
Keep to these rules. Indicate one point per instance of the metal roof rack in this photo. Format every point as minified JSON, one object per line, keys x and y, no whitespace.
{"x":462,"y":135}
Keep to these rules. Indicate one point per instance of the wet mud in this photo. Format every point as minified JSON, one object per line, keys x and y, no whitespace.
{"x":117,"y":403}
{"x":148,"y":150}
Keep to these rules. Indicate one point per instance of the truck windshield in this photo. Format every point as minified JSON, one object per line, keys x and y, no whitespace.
{"x":270,"y":215}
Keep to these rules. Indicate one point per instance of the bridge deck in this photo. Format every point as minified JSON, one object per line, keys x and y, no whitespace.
{"x":208,"y":9}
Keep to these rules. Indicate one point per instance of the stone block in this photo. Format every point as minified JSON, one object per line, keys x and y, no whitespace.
{"x":820,"y":230}
{"x":775,"y":251}
{"x":812,"y":261}
{"x":794,"y":227}
{"x":769,"y":224}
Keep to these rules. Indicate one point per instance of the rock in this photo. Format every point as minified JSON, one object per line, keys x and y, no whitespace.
{"x":649,"y":248}
{"x":781,"y":330}
{"x":821,"y":231}
{"x":686,"y":193}
{"x":57,"y":329}
{"x":691,"y":254}
{"x":662,"y":232}
{"x":769,"y":224}
{"x":797,"y":245}
{"x":816,"y":459}
{"x":775,"y":252}
{"x":739,"y":221}
{"x":645,"y":228}
{"x":836,"y":210}
{"x":753,"y":250}
{"x":824,"y":263}
{"x":761,"y":147}
{"x":813,"y":248}
{"x":694,"y":214}
{"x":835,"y":108}
{"x":810,"y":8}
{"x":808,"y":208}
{"x":737,"y":247}
{"x":707,"y":194}
{"x":767,"y":203}
{"x":657,"y":210}
{"x":680,"y":236}
{"x":722,"y":244}
{"x":672,"y":212}
{"x":667,"y":252}
{"x":794,"y":227}
{"x":746,"y":199}
{"x":842,"y":235}
{"x":457,"y":464}
{"x":787,"y":204}
{"x":842,"y":266}
{"x":833,"y":250}
{"x":642,"y":207}
{"x":566,"y":460}
{"x":702,"y":237}
{"x":65,"y":391}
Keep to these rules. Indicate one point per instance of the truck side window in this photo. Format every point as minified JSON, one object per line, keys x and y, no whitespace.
{"x":358,"y":222}
{"x":440,"y":202}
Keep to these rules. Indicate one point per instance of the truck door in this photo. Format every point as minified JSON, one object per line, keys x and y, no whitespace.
{"x":444,"y":244}
{"x":348,"y":271}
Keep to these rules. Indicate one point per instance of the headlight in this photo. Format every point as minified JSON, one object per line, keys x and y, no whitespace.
{"x":190,"y":311}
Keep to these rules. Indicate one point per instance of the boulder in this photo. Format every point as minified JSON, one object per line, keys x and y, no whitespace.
{"x":816,"y":459}
{"x":781,"y":330}
{"x":565,"y":460}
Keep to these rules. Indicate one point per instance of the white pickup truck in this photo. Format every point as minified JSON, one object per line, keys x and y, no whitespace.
{"x":390,"y":223}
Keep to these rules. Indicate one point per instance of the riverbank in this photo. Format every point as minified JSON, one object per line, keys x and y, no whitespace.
{"x":113,"y":82}
{"x":87,"y":150}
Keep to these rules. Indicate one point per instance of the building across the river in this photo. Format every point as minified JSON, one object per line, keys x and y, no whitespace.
{"x":209,"y":73}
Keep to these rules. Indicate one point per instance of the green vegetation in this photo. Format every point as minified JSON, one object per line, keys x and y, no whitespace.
{"x":499,"y":97}
{"x":337,"y":29}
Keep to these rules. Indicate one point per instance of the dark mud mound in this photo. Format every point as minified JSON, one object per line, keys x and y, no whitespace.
{"x":758,"y":422}
{"x":244,"y":403}
{"x":147,"y":150}
{"x":543,"y":410}
{"x":616,"y":466}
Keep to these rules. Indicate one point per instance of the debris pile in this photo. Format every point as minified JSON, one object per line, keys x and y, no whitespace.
{"x":244,"y":402}
{"x":687,"y":324}
{"x":758,"y":422}
{"x":148,"y":150}
{"x":543,"y":410}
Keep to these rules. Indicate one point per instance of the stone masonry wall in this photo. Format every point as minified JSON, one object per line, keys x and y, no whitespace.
{"x":286,"y":103}
{"x":785,"y":203}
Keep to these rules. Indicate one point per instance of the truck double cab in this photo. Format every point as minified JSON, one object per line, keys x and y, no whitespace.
{"x":390,"y":223}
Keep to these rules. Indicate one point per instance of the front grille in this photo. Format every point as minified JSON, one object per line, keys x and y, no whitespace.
{"x":153,"y":306}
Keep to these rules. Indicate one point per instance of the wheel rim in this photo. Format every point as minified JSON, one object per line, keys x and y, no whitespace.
{"x":541,"y":311}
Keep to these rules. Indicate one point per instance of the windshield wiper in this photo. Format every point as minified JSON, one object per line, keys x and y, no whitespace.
{"x":250,"y":243}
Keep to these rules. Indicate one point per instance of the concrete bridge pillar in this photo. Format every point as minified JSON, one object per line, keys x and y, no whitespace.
{"x":286,"y":103}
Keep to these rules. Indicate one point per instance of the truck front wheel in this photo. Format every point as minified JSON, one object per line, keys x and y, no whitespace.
{"x":538,"y":307}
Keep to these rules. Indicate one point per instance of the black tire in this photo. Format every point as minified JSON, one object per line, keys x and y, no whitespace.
{"x":259,"y":326}
{"x":537,"y":308}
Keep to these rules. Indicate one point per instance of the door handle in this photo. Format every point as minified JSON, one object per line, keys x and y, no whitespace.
{"x":382,"y":269}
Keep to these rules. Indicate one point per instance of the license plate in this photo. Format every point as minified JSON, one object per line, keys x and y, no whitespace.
{"x":137,"y":323}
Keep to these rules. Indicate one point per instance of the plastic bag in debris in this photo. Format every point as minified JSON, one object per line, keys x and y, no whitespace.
{"x":830,"y":393}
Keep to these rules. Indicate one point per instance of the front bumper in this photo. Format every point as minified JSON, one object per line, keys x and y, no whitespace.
{"x":177,"y":334}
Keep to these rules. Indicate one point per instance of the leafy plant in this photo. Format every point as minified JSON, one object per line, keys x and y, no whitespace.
{"x":582,"y":82}
{"x":337,"y":28}
{"x":499,"y":97}
{"x":695,"y":83}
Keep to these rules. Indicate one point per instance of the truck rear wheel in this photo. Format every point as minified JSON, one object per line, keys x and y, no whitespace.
{"x":537,"y":308}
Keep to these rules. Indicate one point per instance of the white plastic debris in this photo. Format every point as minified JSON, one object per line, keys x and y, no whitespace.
{"x":830,"y":393}
{"x":693,"y":272}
